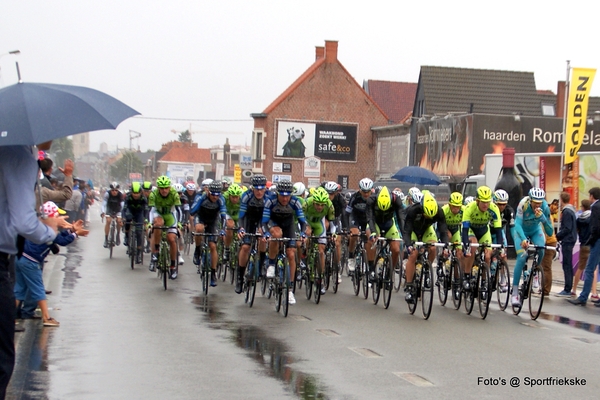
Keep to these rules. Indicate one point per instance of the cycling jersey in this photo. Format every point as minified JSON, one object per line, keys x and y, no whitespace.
{"x":133,"y":206}
{"x":384,"y":220}
{"x":208,"y":211}
{"x":526,"y":221}
{"x":233,"y":209}
{"x":416,"y":223}
{"x":356,"y":211}
{"x":112,"y":204}
{"x":315,"y":219}
{"x":167,"y":207}
{"x":453,"y":221}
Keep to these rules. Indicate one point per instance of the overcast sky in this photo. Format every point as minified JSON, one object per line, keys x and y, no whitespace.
{"x":209,"y":64}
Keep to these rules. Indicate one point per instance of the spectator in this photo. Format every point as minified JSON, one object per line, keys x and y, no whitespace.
{"x":583,"y":229}
{"x":18,"y":170}
{"x":547,"y":261}
{"x":50,"y":193}
{"x":567,"y":236}
{"x":73,"y":205}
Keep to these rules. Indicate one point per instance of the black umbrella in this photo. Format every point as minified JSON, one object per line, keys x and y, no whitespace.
{"x":417,"y":175}
{"x":34,"y":113}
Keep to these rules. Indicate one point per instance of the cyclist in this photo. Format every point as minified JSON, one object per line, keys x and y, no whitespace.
{"x":419,"y":226}
{"x":299,"y":191}
{"x":319,"y":213}
{"x":532,"y":215}
{"x":165,"y":210}
{"x":189,"y":197}
{"x":413,"y":196}
{"x":453,"y":212}
{"x":508,"y":220}
{"x":249,"y":218}
{"x":225,"y":183}
{"x":356,"y":214}
{"x":210,"y":212}
{"x":339,"y":206}
{"x":278,"y":221}
{"x":232,"y":205}
{"x":205,"y":184}
{"x":112,"y":205}
{"x":146,"y":190}
{"x":384,"y":216}
{"x":481,"y":222}
{"x":135,"y":210}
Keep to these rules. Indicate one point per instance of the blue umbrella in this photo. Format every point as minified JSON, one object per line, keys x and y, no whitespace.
{"x":34,"y":113}
{"x":417,"y":175}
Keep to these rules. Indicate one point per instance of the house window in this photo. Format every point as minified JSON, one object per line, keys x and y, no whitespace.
{"x":548,"y":110}
{"x":235,"y":157}
{"x":258,"y":141}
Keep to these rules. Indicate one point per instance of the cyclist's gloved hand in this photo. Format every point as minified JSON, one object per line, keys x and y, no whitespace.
{"x":267,"y":235}
{"x":303,"y":235}
{"x":222,"y":232}
{"x":179,"y":226}
{"x":102,"y":215}
{"x":467,"y":249}
{"x":241,"y":231}
{"x":525,"y":244}
{"x":149,"y":225}
{"x":372,"y":236}
{"x":409,"y":250}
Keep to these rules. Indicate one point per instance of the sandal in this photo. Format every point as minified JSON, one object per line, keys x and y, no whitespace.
{"x":51,"y":322}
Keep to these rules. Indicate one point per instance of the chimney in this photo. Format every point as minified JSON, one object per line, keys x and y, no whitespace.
{"x":561,"y":94}
{"x":319,"y":53}
{"x":331,"y":48}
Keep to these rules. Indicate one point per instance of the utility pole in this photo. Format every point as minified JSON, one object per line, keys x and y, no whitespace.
{"x":133,"y":135}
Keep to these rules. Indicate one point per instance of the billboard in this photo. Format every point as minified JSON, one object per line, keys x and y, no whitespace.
{"x":324,"y":140}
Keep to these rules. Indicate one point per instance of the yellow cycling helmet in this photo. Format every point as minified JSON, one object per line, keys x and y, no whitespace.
{"x":384,"y":201}
{"x":430,"y":206}
{"x":456,"y":199}
{"x":484,"y":194}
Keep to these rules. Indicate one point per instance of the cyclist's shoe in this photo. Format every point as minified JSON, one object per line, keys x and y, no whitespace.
{"x":125,"y":241}
{"x":138,"y":257}
{"x":291,"y":299}
{"x":105,"y":243}
{"x":118,"y":239}
{"x":173,"y":273}
{"x":239,"y":282}
{"x":213,"y":279}
{"x":147,"y":249}
{"x":271,"y":271}
{"x":225,"y":256}
{"x":351,"y":264}
{"x":410,"y":293}
{"x":372,"y":277}
{"x":536,"y":282}
{"x":467,"y":284}
{"x":197,"y":256}
{"x":323,"y":290}
{"x":339,"y":278}
{"x":298,"y":276}
{"x":180,"y":260}
{"x":153,"y":262}
{"x":515,"y":300}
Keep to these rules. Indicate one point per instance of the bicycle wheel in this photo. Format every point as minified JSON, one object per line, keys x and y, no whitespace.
{"x":132,"y":246}
{"x":412,"y":306}
{"x":388,"y":282}
{"x":164,"y":257}
{"x":523,"y":288}
{"x":111,"y":239}
{"x":376,"y":286}
{"x":253,"y":281}
{"x":483,"y":292}
{"x":426,"y":289}
{"x":470,"y":294}
{"x":355,"y":275}
{"x":205,"y":275}
{"x":398,"y":275}
{"x":285,"y":288}
{"x":335,"y":272}
{"x":317,"y":287}
{"x":441,"y":283}
{"x":456,"y":278}
{"x":502,"y":284}
{"x":233,"y":260}
{"x":364,"y":271}
{"x":327,"y":273}
{"x":343,"y":265}
{"x":536,"y":292}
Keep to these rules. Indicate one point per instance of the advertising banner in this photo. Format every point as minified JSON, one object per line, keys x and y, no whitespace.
{"x":577,"y":110}
{"x":323,"y":140}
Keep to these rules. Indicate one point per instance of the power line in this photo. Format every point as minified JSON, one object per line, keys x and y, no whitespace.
{"x":193,"y":119}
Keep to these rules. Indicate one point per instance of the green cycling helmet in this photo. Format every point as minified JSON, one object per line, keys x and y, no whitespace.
{"x":163,"y":182}
{"x":235,"y":190}
{"x":320,"y":196}
{"x":136,"y":187}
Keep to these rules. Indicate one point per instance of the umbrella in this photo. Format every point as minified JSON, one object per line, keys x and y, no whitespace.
{"x":417,"y":175}
{"x":34,"y":113}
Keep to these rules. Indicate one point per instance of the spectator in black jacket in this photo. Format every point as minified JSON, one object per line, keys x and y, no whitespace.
{"x":583,"y":230}
{"x":567,"y":236}
{"x":594,"y":244}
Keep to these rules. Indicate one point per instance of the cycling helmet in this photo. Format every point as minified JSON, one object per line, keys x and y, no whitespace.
{"x":500,"y":196}
{"x":285,"y":188}
{"x":484,"y":194}
{"x":299,"y":189}
{"x":365,"y":184}
{"x":320,"y":196}
{"x":191,"y":186}
{"x":235,"y":190}
{"x":136,"y":187}
{"x":399,"y":194}
{"x":384,"y":201}
{"x":114,"y":185}
{"x":178,"y":187}
{"x":456,"y":199}
{"x":430,"y":206}
{"x":331,"y":187}
{"x":417,"y":197}
{"x":259,"y":181}
{"x":147,"y":185}
{"x":537,"y":194}
{"x":163,"y":182}
{"x":207,"y":182}
{"x":469,"y":199}
{"x":378,"y":189}
{"x":215,"y":188}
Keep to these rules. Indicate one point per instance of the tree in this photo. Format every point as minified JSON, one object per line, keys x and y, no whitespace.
{"x":185,"y":136}
{"x":129,"y":163}
{"x":62,"y":149}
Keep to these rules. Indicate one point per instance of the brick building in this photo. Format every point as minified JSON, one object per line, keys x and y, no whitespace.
{"x":319,"y":128}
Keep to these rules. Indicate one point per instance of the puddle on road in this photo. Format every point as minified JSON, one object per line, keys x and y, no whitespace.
{"x":571,"y":322}
{"x":271,"y":354}
{"x":31,"y":378}
{"x":73,"y":259}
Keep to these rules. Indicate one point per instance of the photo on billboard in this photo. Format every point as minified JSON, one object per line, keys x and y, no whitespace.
{"x":295,"y":139}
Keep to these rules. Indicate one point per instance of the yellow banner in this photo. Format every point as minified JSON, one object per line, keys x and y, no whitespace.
{"x":579,"y":92}
{"x":237,"y":173}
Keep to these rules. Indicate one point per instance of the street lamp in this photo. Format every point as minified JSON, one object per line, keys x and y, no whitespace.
{"x":13,"y":52}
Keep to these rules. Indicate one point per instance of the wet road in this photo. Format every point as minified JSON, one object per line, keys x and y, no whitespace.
{"x":123,"y":337}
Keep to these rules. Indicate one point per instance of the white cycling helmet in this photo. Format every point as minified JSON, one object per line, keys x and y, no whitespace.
{"x":191,"y":186}
{"x":469,"y":199}
{"x":365,"y":184}
{"x":178,"y":187}
{"x":206,"y":182}
{"x":331,"y":187}
{"x":537,"y":194}
{"x":500,"y":196}
{"x":299,"y":189}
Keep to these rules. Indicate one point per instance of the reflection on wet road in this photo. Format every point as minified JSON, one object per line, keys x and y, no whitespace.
{"x":571,"y":322}
{"x":271,"y":354}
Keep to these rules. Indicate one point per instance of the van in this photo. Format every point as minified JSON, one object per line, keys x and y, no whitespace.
{"x":441,"y":192}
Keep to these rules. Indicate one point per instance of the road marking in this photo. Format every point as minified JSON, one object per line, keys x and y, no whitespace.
{"x":367,"y":353}
{"x":328,"y":332}
{"x":533,"y":325}
{"x":414,"y":379}
{"x":300,"y":318}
